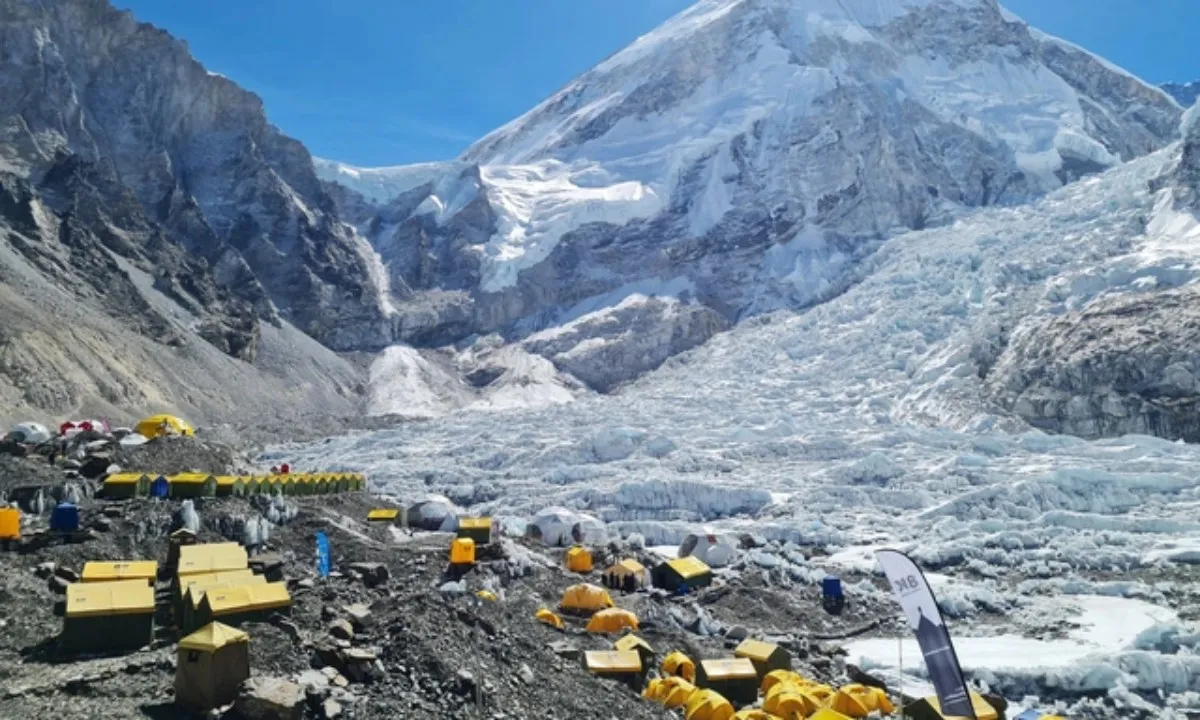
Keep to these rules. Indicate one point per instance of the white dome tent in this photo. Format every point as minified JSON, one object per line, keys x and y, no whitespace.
{"x":30,"y":433}
{"x":435,"y":512}
{"x":710,"y":547}
{"x":557,"y":526}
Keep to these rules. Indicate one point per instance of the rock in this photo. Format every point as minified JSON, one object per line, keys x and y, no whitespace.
{"x":306,"y":583}
{"x":67,"y":574}
{"x":102,"y":524}
{"x":331,"y":710}
{"x":565,"y":650}
{"x":373,"y":573}
{"x":342,"y":630}
{"x":453,"y":588}
{"x":465,"y":683}
{"x":114,"y":511}
{"x":289,"y":627}
{"x":737,"y":633}
{"x":270,"y":698}
{"x":59,"y":585}
{"x":360,"y":615}
{"x":360,"y":665}
{"x":525,"y":674}
{"x":45,"y":570}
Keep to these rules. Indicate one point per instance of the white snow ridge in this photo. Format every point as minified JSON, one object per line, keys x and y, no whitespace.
{"x":897,"y":408}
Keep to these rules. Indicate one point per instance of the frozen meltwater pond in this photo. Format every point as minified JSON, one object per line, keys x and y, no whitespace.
{"x":858,"y":424}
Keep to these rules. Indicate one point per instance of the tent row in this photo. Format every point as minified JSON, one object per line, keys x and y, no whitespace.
{"x":192,"y":485}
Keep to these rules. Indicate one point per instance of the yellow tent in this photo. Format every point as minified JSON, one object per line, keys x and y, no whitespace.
{"x":753,"y":714}
{"x":382,"y":515}
{"x":633,"y":642}
{"x":145,"y":570}
{"x":708,"y":705}
{"x":778,"y":677}
{"x":872,"y":697}
{"x":579,"y":560}
{"x":462,"y":551}
{"x":159,"y":425}
{"x":10,"y":523}
{"x":211,"y":558}
{"x":734,"y":678}
{"x":849,"y":704}
{"x":678,"y":692}
{"x":679,"y":664}
{"x":654,"y":691}
{"x":790,"y":704}
{"x":627,"y":575}
{"x":612,"y":620}
{"x":545,"y":616}
{"x":586,"y":599}
{"x":486,"y":595}
{"x":827,"y":714}
{"x":617,"y":664}
{"x":983,"y":710}
{"x":104,"y":616}
{"x":213,"y":663}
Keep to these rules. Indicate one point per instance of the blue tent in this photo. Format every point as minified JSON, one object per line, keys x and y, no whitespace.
{"x":831,"y":587}
{"x":64,"y":517}
{"x":832,"y":597}
{"x":160,"y":488}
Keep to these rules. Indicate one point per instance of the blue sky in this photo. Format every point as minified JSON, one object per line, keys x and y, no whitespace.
{"x":383,"y":82}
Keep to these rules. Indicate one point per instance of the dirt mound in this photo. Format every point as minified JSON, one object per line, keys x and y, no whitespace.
{"x":175,"y":454}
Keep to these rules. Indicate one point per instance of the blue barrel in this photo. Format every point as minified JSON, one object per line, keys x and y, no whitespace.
{"x":160,"y":488}
{"x":64,"y":518}
{"x":831,"y":587}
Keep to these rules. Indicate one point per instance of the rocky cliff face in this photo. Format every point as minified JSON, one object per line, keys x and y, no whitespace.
{"x":752,"y":151}
{"x":1126,"y":362}
{"x":83,"y":81}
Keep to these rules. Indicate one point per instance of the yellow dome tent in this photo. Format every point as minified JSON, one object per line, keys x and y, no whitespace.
{"x":708,"y":705}
{"x":677,"y":691}
{"x":827,"y":714}
{"x":679,"y":664}
{"x":778,"y":677}
{"x":612,"y":620}
{"x":848,"y":704}
{"x":545,"y":616}
{"x":160,"y":425}
{"x":872,"y":697}
{"x":753,"y":714}
{"x":586,"y":599}
{"x":790,"y":703}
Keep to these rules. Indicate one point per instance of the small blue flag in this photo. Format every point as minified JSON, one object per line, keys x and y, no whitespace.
{"x":322,"y":555}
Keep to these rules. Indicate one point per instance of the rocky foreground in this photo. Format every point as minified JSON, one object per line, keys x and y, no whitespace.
{"x":388,"y":634}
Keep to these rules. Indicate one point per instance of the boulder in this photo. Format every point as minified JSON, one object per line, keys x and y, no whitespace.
{"x":270,"y":698}
{"x":372,"y":573}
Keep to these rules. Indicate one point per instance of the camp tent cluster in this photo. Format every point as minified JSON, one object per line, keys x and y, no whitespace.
{"x":193,"y":485}
{"x":758,"y":679}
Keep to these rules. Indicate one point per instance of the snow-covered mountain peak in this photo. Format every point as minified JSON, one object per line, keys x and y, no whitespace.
{"x":755,"y":151}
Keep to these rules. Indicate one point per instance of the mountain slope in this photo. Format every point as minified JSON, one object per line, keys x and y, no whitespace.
{"x":82,"y":79}
{"x":753,"y":152}
{"x":1186,"y":94}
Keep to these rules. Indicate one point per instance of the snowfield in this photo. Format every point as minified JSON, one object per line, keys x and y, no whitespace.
{"x":862,"y":423}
